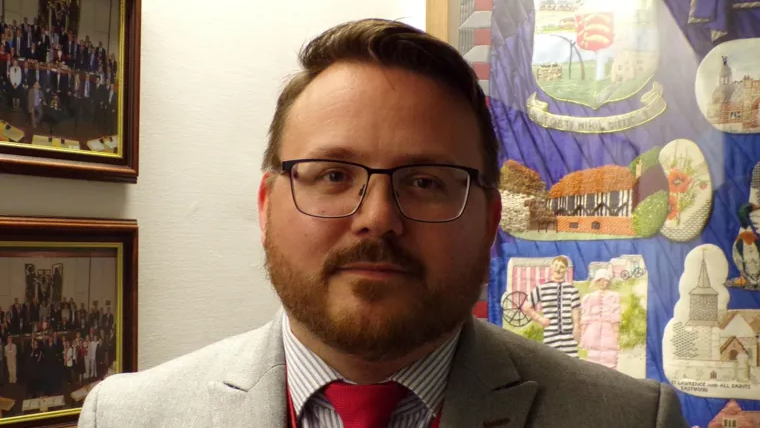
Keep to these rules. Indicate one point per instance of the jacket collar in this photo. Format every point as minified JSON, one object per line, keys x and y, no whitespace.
{"x":251,"y":391}
{"x":484,"y":388}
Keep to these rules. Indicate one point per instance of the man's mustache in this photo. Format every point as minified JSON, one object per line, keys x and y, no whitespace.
{"x":375,"y":251}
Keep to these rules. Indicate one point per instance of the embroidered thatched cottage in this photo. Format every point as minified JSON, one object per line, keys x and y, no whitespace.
{"x":598,"y":200}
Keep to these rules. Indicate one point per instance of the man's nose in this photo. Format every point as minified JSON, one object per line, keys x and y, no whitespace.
{"x":378,"y":214}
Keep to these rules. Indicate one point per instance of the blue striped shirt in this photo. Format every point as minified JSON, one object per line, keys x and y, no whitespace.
{"x":307,"y":374}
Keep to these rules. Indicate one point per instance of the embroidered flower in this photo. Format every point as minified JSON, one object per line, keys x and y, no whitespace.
{"x":672,"y":207}
{"x":678,"y":181}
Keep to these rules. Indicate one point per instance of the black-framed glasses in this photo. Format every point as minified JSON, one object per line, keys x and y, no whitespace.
{"x":430,"y":193}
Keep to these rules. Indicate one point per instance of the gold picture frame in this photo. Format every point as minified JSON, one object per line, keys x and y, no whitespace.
{"x":87,"y":131}
{"x":51,"y":263}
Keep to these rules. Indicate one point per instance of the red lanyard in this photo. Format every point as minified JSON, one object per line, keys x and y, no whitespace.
{"x":294,"y":422}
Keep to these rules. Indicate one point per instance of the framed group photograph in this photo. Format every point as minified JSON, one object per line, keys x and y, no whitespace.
{"x":69,"y":88}
{"x":68,"y":311}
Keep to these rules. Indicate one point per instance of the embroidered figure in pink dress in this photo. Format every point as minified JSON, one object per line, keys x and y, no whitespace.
{"x":600,"y":321}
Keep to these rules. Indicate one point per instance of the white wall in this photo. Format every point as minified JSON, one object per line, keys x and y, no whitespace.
{"x":84,"y":278}
{"x":18,"y":9}
{"x":94,"y":19}
{"x":202,"y":135}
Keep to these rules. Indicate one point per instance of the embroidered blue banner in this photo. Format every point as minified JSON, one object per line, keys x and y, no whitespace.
{"x":552,"y":130}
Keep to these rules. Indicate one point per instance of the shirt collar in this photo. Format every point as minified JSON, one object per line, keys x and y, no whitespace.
{"x":308,"y":373}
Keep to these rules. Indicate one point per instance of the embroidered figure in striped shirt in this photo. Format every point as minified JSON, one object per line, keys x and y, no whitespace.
{"x":561,"y":306}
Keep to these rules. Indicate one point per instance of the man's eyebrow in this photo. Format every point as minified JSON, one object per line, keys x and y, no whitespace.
{"x":347,"y":154}
{"x":337,"y":153}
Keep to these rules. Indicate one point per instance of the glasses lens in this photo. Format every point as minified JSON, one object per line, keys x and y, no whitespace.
{"x":431,"y":193}
{"x":327,"y":189}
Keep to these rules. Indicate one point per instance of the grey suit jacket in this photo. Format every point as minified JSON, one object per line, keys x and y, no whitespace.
{"x":497,"y":379}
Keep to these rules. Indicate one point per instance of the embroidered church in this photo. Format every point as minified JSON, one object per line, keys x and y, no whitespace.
{"x":717,"y":344}
{"x":734,"y":105}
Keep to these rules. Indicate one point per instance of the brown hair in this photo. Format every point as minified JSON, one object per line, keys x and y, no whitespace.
{"x":561,"y":259}
{"x":391,"y":44}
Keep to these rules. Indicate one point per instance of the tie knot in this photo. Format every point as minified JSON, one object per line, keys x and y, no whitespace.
{"x":365,"y":406}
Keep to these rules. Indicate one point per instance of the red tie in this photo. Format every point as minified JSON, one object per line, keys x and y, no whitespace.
{"x":365,"y":406}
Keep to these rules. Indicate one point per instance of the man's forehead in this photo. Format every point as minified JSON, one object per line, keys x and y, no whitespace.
{"x":357,"y":110}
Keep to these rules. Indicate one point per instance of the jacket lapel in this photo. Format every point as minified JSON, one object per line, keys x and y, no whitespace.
{"x":263,"y":405}
{"x":484,"y":388}
{"x":251,"y":392}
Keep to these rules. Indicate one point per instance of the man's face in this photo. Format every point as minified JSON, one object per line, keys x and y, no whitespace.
{"x":381,"y":118}
{"x":558,"y":270}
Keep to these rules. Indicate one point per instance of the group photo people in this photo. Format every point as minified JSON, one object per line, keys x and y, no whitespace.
{"x":56,"y":82}
{"x":53,"y":348}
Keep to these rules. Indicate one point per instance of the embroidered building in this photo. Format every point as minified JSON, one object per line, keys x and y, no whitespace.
{"x":734,"y":104}
{"x":598,"y":200}
{"x":723,"y":345}
{"x":549,"y":72}
{"x":629,"y":65}
{"x":732,"y":416}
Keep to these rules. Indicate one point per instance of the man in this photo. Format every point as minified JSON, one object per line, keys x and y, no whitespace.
{"x":43,"y":44}
{"x":18,"y":43}
{"x":92,"y":60}
{"x":561,"y":309}
{"x":26,"y":81}
{"x":112,"y":102}
{"x":100,"y":51}
{"x":109,"y":323}
{"x":10,"y":352}
{"x":49,"y":80}
{"x":72,"y":52}
{"x":377,"y":222}
{"x":86,"y":101}
{"x":34,"y":54}
{"x":16,"y":88}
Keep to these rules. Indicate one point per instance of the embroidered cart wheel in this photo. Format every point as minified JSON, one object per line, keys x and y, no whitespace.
{"x":512,"y":313}
{"x":625,"y":274}
{"x":638,"y":272}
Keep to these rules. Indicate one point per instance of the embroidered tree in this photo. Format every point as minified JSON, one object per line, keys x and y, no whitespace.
{"x":647,"y":160}
{"x":523,"y":197}
{"x":517,"y":178}
{"x":633,"y":325}
{"x":650,"y":214}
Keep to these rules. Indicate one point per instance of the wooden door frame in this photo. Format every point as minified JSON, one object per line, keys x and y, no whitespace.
{"x":437,"y":18}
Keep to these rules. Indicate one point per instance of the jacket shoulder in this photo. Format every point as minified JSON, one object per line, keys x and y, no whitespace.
{"x":595,"y":395}
{"x":140,"y":399}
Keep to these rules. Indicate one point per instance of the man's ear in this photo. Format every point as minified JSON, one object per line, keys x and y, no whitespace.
{"x":494,"y":213}
{"x":265,"y":187}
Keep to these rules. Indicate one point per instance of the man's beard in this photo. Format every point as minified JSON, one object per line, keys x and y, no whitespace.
{"x":432,"y":310}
